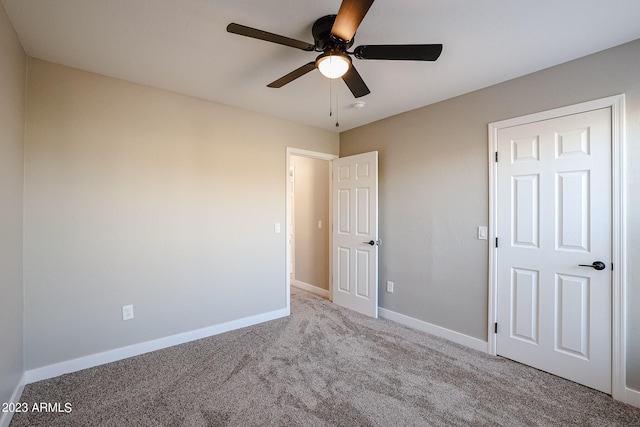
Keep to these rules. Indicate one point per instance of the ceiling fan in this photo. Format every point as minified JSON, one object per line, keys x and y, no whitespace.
{"x":333,"y":35}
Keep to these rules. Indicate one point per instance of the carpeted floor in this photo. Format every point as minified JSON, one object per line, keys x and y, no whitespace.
{"x":322,"y":366}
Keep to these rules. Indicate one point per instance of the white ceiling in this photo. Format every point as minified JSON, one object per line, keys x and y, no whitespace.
{"x":183,"y":46}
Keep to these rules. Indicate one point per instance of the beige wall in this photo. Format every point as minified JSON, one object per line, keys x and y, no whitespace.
{"x":434,"y":189}
{"x":139,"y":196}
{"x":311,"y":204}
{"x":12,"y":102}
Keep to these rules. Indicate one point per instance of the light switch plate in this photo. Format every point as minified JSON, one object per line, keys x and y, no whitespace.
{"x":482,"y":233}
{"x":276,"y":227}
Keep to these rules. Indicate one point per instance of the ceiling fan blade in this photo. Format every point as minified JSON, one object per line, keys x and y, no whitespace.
{"x":349,"y":17}
{"x":399,"y":52}
{"x":293,"y":75}
{"x":355,"y":83}
{"x":270,"y":37}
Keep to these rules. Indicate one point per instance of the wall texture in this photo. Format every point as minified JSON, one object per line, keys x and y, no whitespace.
{"x":139,"y":196}
{"x":434,"y":189}
{"x":12,"y":105}
{"x":311,"y":204}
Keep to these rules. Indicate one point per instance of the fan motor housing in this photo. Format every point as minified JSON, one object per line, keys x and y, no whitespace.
{"x":322,"y":37}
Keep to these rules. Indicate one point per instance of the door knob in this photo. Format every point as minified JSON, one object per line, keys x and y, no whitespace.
{"x":598,"y":265}
{"x":370,"y":242}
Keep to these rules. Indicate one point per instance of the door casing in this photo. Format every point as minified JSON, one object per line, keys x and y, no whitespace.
{"x":619,"y":282}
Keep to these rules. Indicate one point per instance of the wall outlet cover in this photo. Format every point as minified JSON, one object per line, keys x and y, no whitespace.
{"x":127,"y":312}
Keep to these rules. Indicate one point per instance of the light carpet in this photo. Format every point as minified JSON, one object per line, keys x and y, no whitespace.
{"x":321,"y":366}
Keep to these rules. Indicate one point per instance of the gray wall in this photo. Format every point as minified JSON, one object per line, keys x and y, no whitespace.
{"x":311,"y":204}
{"x":12,"y":102}
{"x":434,"y":189}
{"x":139,"y":196}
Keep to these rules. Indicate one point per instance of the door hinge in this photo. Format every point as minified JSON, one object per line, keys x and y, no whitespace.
{"x":496,"y":242}
{"x":496,"y":157}
{"x":495,"y":328}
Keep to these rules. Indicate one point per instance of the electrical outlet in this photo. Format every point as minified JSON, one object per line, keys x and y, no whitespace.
{"x":127,"y":312}
{"x":390,"y":287}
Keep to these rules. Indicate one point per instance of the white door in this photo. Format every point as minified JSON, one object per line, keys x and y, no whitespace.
{"x":554,"y":214}
{"x":355,"y":233}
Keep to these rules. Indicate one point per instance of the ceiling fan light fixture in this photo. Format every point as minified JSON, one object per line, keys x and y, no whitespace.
{"x":333,"y":65}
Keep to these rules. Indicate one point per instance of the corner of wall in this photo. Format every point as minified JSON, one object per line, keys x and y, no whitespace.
{"x":5,"y":417}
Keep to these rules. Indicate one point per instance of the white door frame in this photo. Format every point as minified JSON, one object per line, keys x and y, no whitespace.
{"x":313,"y":155}
{"x":619,"y":391}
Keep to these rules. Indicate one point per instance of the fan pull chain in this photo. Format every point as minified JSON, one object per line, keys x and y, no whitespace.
{"x":337,"y":111}
{"x":331,"y":102}
{"x":330,"y":97}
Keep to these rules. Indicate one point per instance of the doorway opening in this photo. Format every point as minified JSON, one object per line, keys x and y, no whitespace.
{"x":308,"y":222}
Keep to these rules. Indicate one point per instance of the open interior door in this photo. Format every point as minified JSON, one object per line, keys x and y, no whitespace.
{"x":355,"y":233}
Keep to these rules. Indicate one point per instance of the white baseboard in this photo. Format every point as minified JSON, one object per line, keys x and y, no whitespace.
{"x":632,"y":397}
{"x":311,"y":288}
{"x":57,"y":369}
{"x":438,"y":331}
{"x":5,"y":418}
